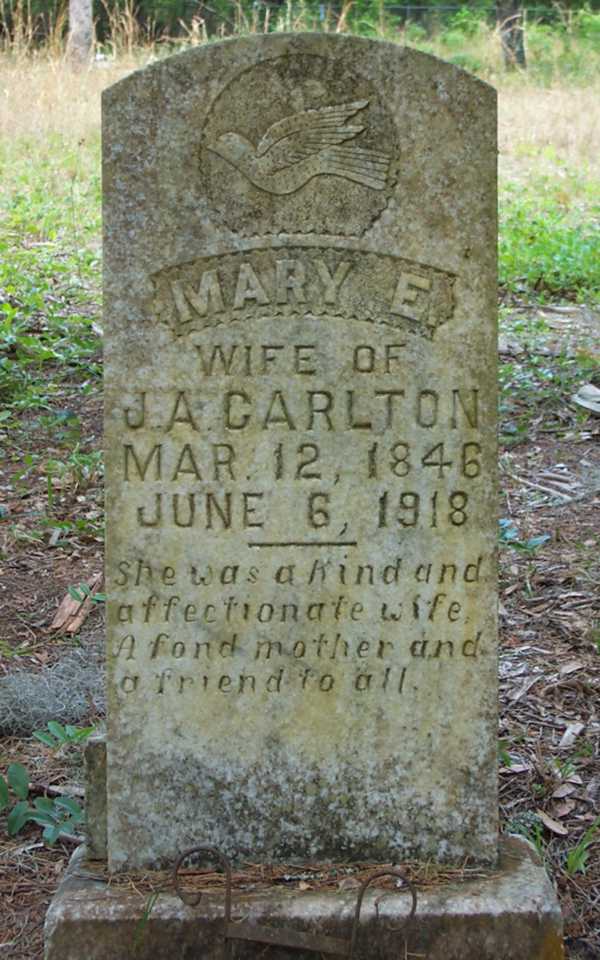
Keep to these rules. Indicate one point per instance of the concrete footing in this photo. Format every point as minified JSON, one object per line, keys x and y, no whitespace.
{"x":512,"y":914}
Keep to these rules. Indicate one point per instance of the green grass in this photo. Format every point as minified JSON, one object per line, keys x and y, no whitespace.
{"x":49,"y":269}
{"x":549,"y":244}
{"x":50,"y":353}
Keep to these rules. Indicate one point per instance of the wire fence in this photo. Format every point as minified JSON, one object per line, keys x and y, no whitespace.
{"x":427,"y":15}
{"x":172,"y":18}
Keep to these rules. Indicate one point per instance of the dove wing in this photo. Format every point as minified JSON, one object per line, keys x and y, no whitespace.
{"x":297,"y":137}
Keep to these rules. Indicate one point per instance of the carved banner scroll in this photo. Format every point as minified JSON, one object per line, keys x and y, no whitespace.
{"x":337,"y":284}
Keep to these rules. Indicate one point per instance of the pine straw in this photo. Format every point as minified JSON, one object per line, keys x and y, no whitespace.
{"x":550,"y":671}
{"x":29,"y":874}
{"x":257,"y":877}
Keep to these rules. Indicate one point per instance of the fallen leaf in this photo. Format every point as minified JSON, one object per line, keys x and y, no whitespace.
{"x":574,"y":778}
{"x":563,"y":809}
{"x":553,"y":825}
{"x":512,"y":588}
{"x":348,"y":883}
{"x":570,"y":667}
{"x":588,"y":396}
{"x":516,"y":695}
{"x":571,"y":733}
{"x":509,"y":347}
{"x":55,"y":537}
{"x":564,"y":790}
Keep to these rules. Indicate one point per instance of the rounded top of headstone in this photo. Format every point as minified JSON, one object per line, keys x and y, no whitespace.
{"x":294,"y":134}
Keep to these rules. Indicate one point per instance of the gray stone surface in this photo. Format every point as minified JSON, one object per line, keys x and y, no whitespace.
{"x":95,"y":797}
{"x":300,"y":390}
{"x":512,"y":915}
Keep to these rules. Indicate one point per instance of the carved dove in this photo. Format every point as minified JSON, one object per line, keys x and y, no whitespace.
{"x":305,"y":145}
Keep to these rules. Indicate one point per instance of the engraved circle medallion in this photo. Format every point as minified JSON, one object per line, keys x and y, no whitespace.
{"x":299,"y":144}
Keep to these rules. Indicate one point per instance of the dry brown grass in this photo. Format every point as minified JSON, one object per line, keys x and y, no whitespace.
{"x":548,"y":127}
{"x":43,"y":96}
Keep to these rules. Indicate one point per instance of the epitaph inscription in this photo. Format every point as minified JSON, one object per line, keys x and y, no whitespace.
{"x":301,"y":532}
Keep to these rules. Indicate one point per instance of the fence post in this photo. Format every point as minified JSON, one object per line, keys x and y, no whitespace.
{"x":509,"y":15}
{"x":81,"y":32}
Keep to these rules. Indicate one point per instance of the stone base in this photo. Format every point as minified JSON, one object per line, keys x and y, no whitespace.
{"x":511,"y":915}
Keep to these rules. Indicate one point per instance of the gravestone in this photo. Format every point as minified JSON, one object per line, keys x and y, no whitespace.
{"x":300,"y":406}
{"x":300,"y":239}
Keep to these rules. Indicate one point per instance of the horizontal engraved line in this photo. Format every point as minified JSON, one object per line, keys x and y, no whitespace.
{"x":306,"y":543}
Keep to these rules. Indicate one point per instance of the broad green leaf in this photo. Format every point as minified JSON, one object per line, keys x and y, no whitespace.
{"x":83,"y":732}
{"x":43,"y":819}
{"x":535,"y":542}
{"x":71,"y":826}
{"x":18,"y":779}
{"x":43,"y":803}
{"x":57,"y":730}
{"x":51,"y":834}
{"x":3,"y":793}
{"x":68,"y":803}
{"x":18,"y":817}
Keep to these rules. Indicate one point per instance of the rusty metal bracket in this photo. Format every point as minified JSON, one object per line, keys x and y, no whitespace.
{"x":274,"y":936}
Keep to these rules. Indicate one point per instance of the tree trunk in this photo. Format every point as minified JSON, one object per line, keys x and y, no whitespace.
{"x":510,"y":23}
{"x":81,"y":31}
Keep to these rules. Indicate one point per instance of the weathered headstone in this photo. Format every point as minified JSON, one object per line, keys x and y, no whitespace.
{"x":300,"y":386}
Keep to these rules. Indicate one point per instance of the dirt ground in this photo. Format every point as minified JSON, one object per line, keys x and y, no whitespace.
{"x":549,"y":606}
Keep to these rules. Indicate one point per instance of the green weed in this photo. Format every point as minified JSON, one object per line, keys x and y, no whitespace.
{"x":58,"y":736}
{"x":49,"y":268}
{"x":82,"y":592}
{"x":57,"y":815}
{"x":577,"y":857}
{"x":509,"y":536}
{"x":77,"y":472}
{"x":529,"y":825}
{"x":142,"y":924}
{"x":550,"y":237}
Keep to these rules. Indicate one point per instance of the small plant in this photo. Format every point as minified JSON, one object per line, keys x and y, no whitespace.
{"x":576,"y":860}
{"x":57,"y":815}
{"x":59,"y":736}
{"x":529,"y":825}
{"x":503,"y":755}
{"x":7,"y":652}
{"x":509,"y":535}
{"x":82,"y":592}
{"x":564,"y":768}
{"x":17,"y":781}
{"x":142,"y":924}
